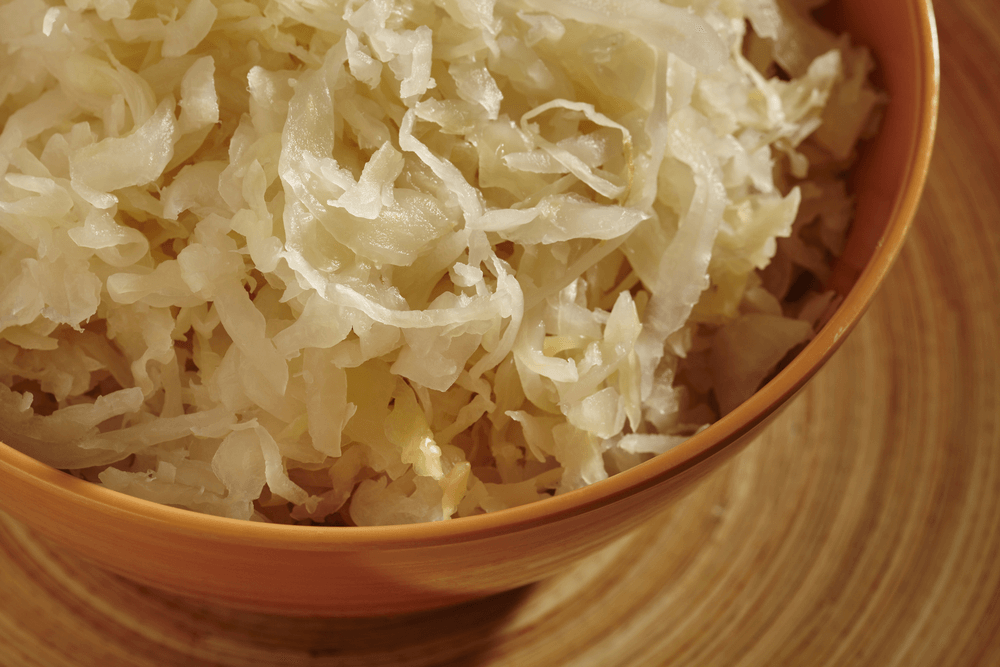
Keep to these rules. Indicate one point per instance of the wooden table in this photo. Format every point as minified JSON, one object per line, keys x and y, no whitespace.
{"x":863,"y":529}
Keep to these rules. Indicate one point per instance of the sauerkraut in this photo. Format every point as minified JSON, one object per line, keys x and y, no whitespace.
{"x":361,"y":262}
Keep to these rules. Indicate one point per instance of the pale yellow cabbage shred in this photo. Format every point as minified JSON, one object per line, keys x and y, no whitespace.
{"x":375,"y":262}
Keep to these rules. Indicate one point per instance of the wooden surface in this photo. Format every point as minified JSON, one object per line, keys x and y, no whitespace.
{"x":863,"y":529}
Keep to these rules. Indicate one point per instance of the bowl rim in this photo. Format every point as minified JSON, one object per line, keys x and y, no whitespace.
{"x":698,"y":448}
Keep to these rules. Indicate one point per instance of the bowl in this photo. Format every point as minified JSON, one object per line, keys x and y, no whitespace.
{"x":395,"y":569}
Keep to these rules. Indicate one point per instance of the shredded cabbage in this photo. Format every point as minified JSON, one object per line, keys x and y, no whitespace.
{"x":367,"y":262}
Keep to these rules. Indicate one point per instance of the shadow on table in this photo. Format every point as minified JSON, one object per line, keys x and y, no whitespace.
{"x":463,"y":634}
{"x":98,"y":612}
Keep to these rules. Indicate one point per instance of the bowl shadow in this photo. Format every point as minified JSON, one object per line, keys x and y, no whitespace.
{"x":168,"y":629}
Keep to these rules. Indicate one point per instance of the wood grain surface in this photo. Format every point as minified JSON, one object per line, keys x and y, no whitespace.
{"x":862,"y":529}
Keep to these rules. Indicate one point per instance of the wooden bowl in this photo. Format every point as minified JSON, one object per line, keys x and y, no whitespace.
{"x":395,"y":569}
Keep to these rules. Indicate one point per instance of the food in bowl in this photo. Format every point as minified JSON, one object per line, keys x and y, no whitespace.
{"x":363,"y":263}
